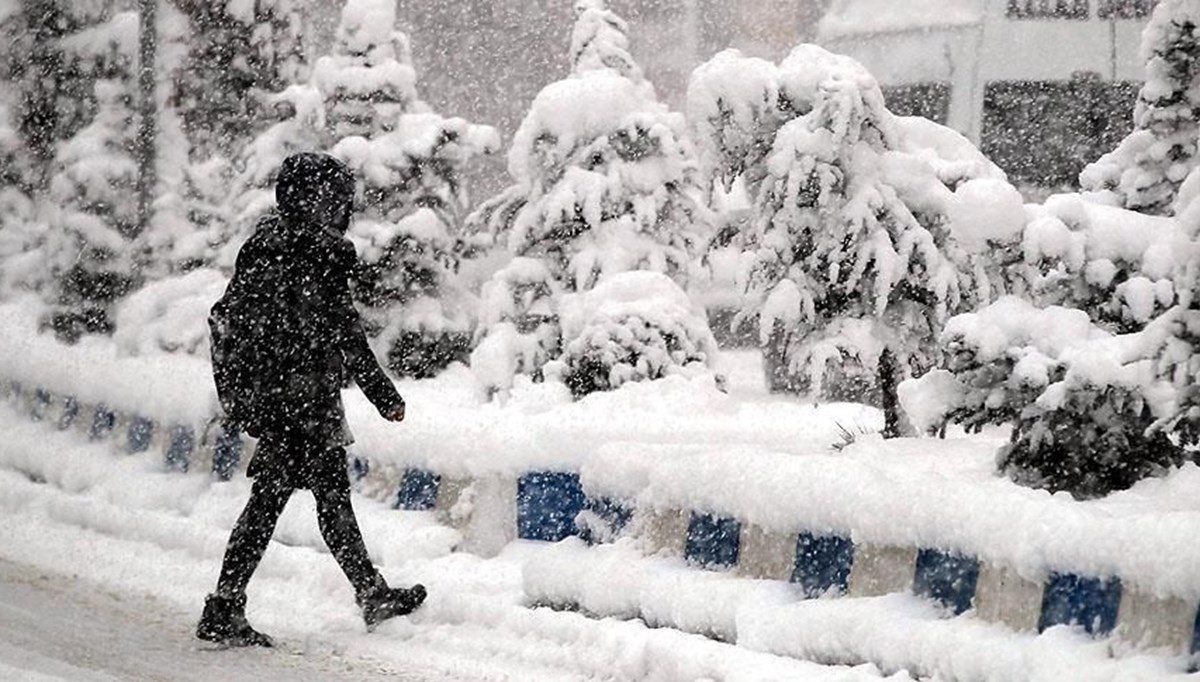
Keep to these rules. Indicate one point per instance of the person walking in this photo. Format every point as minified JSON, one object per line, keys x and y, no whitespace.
{"x":285,"y":338}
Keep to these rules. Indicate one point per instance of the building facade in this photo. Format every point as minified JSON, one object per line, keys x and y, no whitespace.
{"x":1042,"y":86}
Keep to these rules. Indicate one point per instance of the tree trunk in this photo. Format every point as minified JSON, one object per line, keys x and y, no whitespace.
{"x":887,"y":388}
{"x":148,"y":111}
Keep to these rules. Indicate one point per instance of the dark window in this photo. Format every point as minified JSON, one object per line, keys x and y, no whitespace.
{"x":1042,"y":133}
{"x":931,"y":100}
{"x":1126,"y":9}
{"x":1048,"y":9}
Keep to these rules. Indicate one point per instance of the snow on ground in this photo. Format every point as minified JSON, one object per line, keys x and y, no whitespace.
{"x":97,"y":524}
{"x":896,"y":631}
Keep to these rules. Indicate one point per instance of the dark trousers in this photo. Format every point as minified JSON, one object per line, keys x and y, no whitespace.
{"x":335,"y":516}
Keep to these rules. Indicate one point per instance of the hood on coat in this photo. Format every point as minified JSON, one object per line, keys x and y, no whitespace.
{"x":315,"y":191}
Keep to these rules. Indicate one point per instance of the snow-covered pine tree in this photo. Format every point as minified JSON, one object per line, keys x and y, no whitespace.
{"x":48,"y":62}
{"x":1145,"y":171}
{"x":238,"y":52}
{"x":410,"y":161}
{"x":89,"y":249}
{"x":867,"y":228}
{"x":605,"y":182}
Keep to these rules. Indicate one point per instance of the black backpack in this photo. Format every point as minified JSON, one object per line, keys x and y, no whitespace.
{"x":236,"y":362}
{"x":259,"y":334}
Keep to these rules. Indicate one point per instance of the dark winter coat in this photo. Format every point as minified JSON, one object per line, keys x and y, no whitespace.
{"x":292,"y":311}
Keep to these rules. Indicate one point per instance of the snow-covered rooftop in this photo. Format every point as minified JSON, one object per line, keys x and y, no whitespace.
{"x":864,"y":17}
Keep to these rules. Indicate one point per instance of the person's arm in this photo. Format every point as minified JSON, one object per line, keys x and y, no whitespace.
{"x":360,"y":360}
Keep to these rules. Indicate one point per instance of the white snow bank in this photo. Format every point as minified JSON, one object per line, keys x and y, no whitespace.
{"x":940,"y":494}
{"x":170,"y":315}
{"x":171,"y":388}
{"x":896,"y":632}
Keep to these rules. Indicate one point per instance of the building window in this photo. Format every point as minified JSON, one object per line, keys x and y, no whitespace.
{"x":930,"y":100}
{"x":1048,"y":9}
{"x":1126,"y":9}
{"x":1042,"y":133}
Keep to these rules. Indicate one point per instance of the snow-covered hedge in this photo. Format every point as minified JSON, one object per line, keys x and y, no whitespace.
{"x":636,"y":326}
{"x":1087,"y":407}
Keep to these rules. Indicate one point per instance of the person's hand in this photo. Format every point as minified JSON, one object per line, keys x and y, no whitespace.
{"x":396,"y":415}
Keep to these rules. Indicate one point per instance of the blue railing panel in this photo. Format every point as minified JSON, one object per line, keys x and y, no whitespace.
{"x":1077,"y":600}
{"x":103,"y":421}
{"x":946,"y":577}
{"x":713,"y":541}
{"x":41,"y":403}
{"x":547,"y":504}
{"x":141,"y":431}
{"x":180,"y":447}
{"x":823,"y":563}
{"x":418,"y":490}
{"x":227,"y":453}
{"x":70,"y":413}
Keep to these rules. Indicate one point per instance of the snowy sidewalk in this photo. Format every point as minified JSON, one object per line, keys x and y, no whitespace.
{"x":130,"y":550}
{"x":55,"y":627}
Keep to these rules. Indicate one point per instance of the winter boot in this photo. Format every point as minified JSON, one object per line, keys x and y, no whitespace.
{"x":224,"y":622}
{"x":382,"y":602}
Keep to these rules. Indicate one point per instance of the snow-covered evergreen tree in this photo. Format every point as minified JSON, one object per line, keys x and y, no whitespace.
{"x":89,"y":248}
{"x":1144,"y":173}
{"x":605,"y":182}
{"x":18,"y":229}
{"x":1117,"y":266}
{"x":300,"y":126}
{"x":368,"y":80}
{"x":238,"y":52}
{"x":868,"y":229}
{"x":410,"y":161}
{"x":362,"y":106}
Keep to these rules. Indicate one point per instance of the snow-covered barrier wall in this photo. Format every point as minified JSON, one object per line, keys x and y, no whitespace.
{"x":731,"y":501}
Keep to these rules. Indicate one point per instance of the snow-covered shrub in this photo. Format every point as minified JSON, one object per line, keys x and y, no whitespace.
{"x":633,"y":326}
{"x":170,"y":315}
{"x":1145,"y":171}
{"x":1087,"y":408}
{"x":868,"y":229}
{"x":518,"y":323}
{"x":605,"y":180}
{"x":1117,"y":266}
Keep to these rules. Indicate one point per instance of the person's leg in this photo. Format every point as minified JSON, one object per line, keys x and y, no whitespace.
{"x":251,"y":534}
{"x":224,"y":617}
{"x":335,"y":515}
{"x":339,"y":527}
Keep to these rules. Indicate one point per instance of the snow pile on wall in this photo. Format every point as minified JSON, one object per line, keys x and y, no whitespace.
{"x":904,"y":492}
{"x":846,"y":18}
{"x":169,"y":316}
{"x":170,"y":387}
